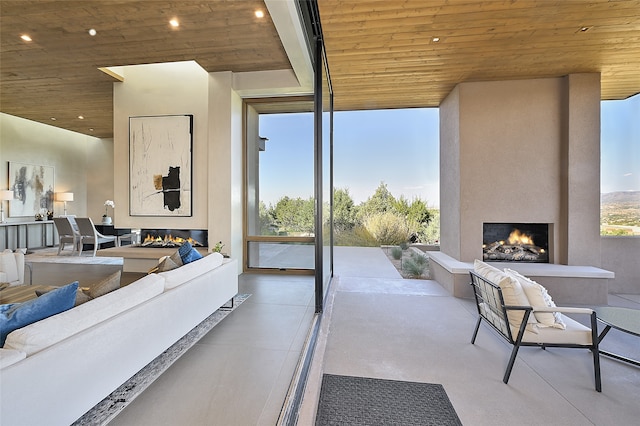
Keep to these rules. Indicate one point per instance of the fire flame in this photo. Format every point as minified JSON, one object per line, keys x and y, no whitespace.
{"x":168,"y":240}
{"x":517,"y":237}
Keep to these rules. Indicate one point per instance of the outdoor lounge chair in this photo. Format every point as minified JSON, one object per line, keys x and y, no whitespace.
{"x":516,"y":320}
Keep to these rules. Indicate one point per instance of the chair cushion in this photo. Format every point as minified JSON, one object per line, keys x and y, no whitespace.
{"x":107,"y":285}
{"x":185,"y":273}
{"x":574,"y":332}
{"x":10,"y":356}
{"x":512,"y":291}
{"x":40,"y":335}
{"x":188,"y":253}
{"x":9,"y":266}
{"x":538,"y":296}
{"x":18,"y":315}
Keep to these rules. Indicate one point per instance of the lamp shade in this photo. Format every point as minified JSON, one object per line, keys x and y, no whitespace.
{"x":64,"y":196}
{"x":6,"y":195}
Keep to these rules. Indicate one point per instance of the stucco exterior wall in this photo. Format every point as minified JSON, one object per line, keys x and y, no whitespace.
{"x":620,"y":255}
{"x":514,"y":156}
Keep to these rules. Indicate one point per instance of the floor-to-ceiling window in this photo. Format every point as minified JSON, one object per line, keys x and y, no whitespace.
{"x":279,"y":185}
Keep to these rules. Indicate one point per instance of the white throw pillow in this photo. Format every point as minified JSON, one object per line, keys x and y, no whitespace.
{"x":9,"y":266}
{"x":512,"y":292}
{"x":538,"y":296}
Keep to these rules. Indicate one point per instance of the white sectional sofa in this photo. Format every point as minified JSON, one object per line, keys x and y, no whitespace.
{"x":55,"y":370}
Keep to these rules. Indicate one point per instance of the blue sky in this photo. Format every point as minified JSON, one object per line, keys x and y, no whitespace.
{"x":401,"y":149}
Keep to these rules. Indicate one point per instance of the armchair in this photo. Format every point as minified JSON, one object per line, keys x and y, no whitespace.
{"x":90,"y":235}
{"x":66,"y":233}
{"x":502,"y":302}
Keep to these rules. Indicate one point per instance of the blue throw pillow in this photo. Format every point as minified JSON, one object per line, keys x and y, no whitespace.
{"x":188,"y":253}
{"x":18,"y":315}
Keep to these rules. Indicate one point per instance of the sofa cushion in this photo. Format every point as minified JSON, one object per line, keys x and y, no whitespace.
{"x":18,"y":315}
{"x":512,"y":291}
{"x":81,"y":296}
{"x":188,"y":253}
{"x":43,"y":334}
{"x":107,"y":285}
{"x":538,"y":296}
{"x":9,"y":268}
{"x":191,"y":270}
{"x":10,"y":356}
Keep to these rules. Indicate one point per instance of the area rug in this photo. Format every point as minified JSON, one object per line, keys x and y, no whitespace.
{"x":346,"y":400}
{"x":109,"y":407}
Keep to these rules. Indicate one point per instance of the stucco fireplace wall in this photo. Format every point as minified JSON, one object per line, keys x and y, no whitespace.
{"x":522,"y":151}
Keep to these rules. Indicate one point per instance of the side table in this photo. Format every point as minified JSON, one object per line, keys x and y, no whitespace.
{"x":624,"y":319}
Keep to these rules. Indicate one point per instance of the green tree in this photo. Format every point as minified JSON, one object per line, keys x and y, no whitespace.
{"x":344,"y":211}
{"x":380,"y":202}
{"x":267,"y":219}
{"x":295,"y":215}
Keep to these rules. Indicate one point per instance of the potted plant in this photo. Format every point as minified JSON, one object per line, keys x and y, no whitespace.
{"x":106,"y":219}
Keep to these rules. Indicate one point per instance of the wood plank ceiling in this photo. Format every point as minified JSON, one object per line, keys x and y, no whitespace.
{"x":382,"y":53}
{"x":56,"y":75}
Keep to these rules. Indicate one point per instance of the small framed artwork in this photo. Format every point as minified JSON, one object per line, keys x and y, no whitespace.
{"x":160,"y":169}
{"x":33,"y":188}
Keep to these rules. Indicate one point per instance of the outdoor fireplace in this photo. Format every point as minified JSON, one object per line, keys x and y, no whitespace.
{"x":515,"y":242}
{"x":173,"y":237}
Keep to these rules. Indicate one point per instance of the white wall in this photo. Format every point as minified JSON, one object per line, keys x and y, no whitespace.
{"x":161,"y":89}
{"x":83,"y":164}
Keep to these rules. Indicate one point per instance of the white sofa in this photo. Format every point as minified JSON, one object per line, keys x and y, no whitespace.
{"x":55,"y":370}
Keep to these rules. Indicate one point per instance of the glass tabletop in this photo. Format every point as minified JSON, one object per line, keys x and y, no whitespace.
{"x":624,"y":319}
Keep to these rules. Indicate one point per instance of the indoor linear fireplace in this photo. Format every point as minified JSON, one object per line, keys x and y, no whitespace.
{"x":173,"y":237}
{"x":515,"y":242}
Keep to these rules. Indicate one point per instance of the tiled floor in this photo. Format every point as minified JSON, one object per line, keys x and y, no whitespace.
{"x":379,"y":325}
{"x":414,"y":331}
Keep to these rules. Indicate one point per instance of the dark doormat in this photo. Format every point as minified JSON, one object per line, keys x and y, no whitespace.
{"x":346,"y":400}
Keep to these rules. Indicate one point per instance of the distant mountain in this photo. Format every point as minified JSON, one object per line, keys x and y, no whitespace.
{"x":621,"y":197}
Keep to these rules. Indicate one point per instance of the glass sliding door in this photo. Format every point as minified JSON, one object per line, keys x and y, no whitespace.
{"x":279,"y":188}
{"x":324,"y":175}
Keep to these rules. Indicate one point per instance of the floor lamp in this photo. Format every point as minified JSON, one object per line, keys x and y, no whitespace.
{"x":65,"y":196}
{"x":5,"y":195}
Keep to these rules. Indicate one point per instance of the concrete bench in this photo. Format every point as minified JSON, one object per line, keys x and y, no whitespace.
{"x":576,"y":285}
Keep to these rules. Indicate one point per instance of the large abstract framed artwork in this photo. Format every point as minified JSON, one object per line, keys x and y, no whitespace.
{"x":33,"y":189}
{"x":160,"y":173}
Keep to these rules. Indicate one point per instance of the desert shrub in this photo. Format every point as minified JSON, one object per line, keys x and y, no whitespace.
{"x":419,"y":259}
{"x":358,"y":236}
{"x":404,"y":245}
{"x":396,"y":253}
{"x":413,"y":267}
{"x":387,"y":228}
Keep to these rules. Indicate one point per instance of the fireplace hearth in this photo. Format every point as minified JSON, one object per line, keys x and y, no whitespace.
{"x":173,"y":237}
{"x":515,"y":242}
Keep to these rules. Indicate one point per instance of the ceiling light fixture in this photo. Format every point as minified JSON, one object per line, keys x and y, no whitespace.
{"x":174,"y":23}
{"x":81,"y":117}
{"x":259,"y":14}
{"x":92,"y":32}
{"x":584,"y":29}
{"x":435,"y":39}
{"x":53,"y":119}
{"x":25,"y":37}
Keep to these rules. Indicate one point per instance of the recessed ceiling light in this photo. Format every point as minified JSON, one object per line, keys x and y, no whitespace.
{"x":435,"y":39}
{"x":53,"y":119}
{"x":91,"y":129}
{"x":25,"y":37}
{"x":259,"y":14}
{"x":92,"y":32}
{"x":584,"y":29}
{"x":174,"y":23}
{"x":81,"y":117}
